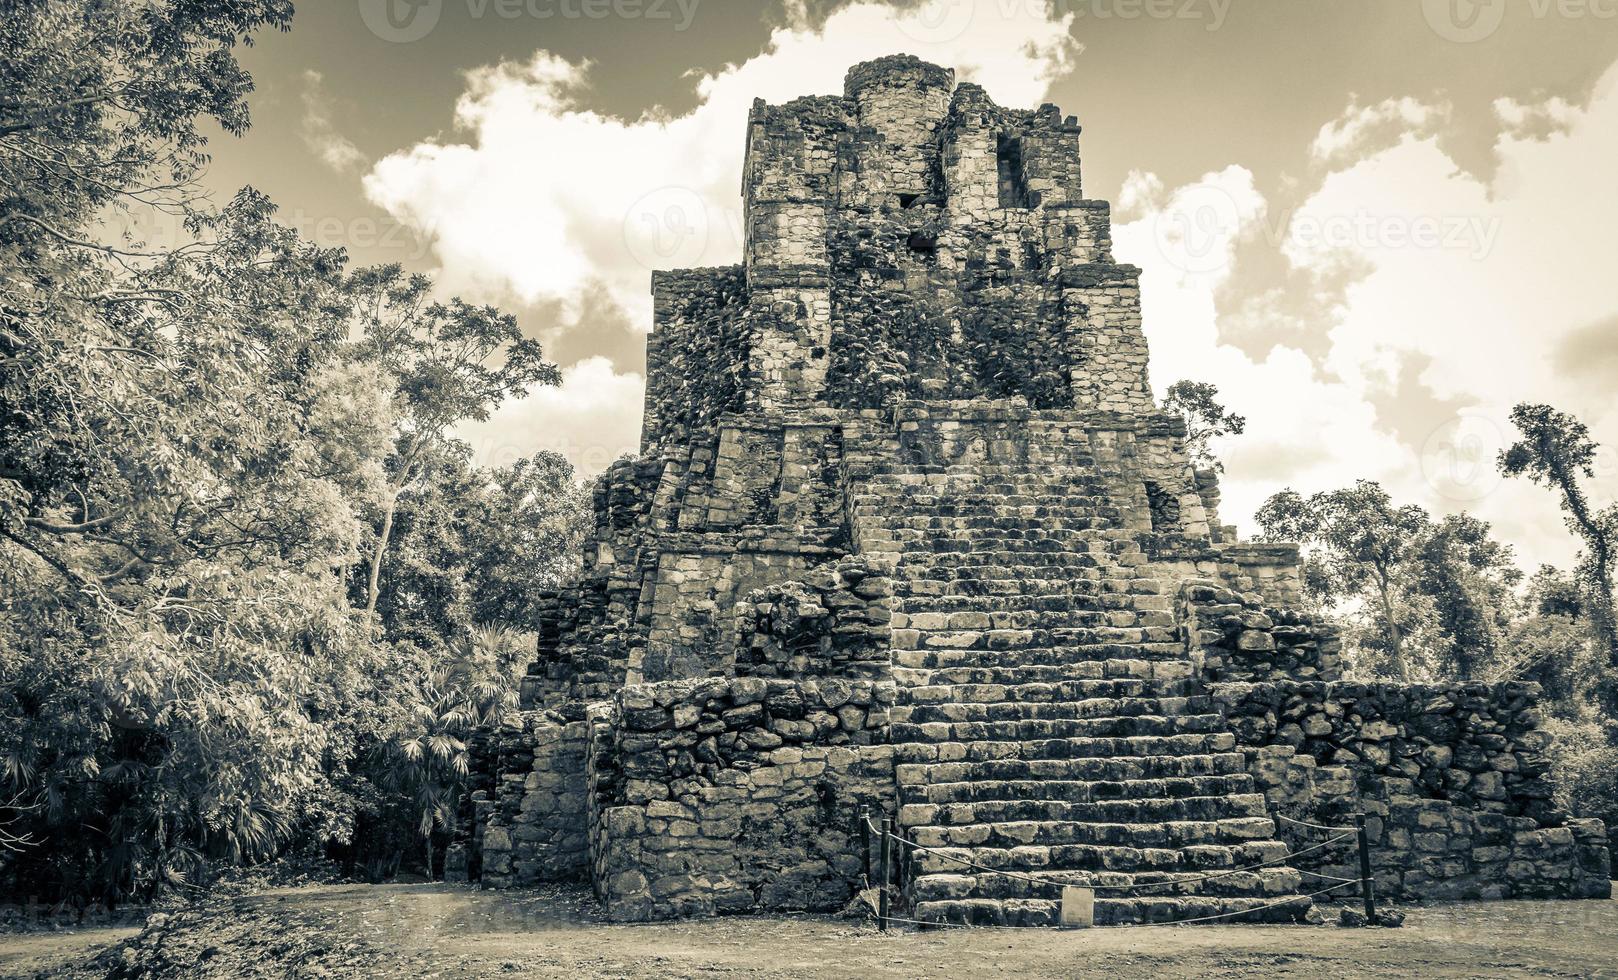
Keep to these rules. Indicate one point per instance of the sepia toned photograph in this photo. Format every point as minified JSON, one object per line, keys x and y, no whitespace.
{"x":808,"y":488}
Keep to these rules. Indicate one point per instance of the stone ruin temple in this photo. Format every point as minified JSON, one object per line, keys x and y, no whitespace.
{"x":908,"y":530}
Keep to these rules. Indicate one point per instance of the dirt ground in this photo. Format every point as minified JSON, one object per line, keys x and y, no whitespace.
{"x":400,"y":931}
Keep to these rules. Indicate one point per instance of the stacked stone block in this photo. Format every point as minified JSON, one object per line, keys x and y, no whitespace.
{"x":537,"y":832}
{"x":728,"y":795}
{"x":1452,"y":779}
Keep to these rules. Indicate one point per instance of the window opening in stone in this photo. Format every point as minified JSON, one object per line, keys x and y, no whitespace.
{"x":1164,"y":507}
{"x":1013,"y":184}
{"x":908,"y":200}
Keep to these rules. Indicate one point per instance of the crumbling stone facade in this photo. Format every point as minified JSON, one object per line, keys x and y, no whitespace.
{"x":908,"y":531}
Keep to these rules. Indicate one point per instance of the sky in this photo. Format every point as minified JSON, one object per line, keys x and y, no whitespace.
{"x":1375,"y":225}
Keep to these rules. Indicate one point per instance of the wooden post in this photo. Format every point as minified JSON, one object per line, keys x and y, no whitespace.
{"x":1367,"y":885}
{"x":899,"y":872}
{"x":882,"y":899}
{"x":865,"y":842}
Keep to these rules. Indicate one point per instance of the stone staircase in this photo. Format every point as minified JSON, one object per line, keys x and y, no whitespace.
{"x":1048,"y":720}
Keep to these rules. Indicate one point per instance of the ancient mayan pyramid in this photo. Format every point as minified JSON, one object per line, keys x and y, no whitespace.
{"x":909,"y":531}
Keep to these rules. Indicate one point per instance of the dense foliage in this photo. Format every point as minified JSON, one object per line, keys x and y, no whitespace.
{"x":255,"y":594}
{"x":1439,"y":600}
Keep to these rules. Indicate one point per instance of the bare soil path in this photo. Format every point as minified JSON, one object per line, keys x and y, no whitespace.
{"x":401,"y":931}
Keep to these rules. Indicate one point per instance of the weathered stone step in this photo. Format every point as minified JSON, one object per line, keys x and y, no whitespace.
{"x":1170,"y":677}
{"x":999,"y":711}
{"x":1232,"y":807}
{"x":1078,"y":747}
{"x":1054,"y":609}
{"x":988,"y":521}
{"x":1075,"y":565}
{"x":918,"y":688}
{"x":1112,"y":660}
{"x":968,"y":555}
{"x":940,"y":583}
{"x":939,"y":881}
{"x":1068,"y":484}
{"x":1107,"y":641}
{"x":1123,"y":864}
{"x":1006,"y":580}
{"x":1030,"y":507}
{"x":1035,"y":729}
{"x":1111,"y":911}
{"x":1163,"y":834}
{"x":1077,"y":790}
{"x":1132,"y":767}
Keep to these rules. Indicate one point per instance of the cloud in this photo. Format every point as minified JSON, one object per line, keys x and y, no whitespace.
{"x":592,"y":418}
{"x":319,"y":134}
{"x":1590,"y":354}
{"x":1362,"y":130}
{"x":1301,"y":425}
{"x":544,"y":200}
{"x":1454,"y":297}
{"x":1534,"y":120}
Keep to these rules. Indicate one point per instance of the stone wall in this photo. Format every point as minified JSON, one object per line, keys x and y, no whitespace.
{"x":834,"y":622}
{"x":1452,"y":779}
{"x":538,"y":829}
{"x":1240,"y":639}
{"x":727,"y":795}
{"x":697,"y":355}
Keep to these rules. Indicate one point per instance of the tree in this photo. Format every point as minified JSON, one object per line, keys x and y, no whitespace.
{"x":195,"y":437}
{"x":178,"y":645}
{"x":1467,"y":578}
{"x":529,"y":539}
{"x":1555,"y":450}
{"x":429,"y":761}
{"x":450,"y":363}
{"x":1205,"y":419}
{"x":1360,"y":543}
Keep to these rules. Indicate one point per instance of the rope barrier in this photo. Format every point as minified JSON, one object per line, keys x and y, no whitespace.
{"x":1033,"y":879}
{"x":1343,"y":833}
{"x":1315,"y":826}
{"x":945,"y":924}
{"x":1249,"y":911}
{"x":1316,"y":874}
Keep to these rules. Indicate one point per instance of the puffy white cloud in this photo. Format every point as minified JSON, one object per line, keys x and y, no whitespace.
{"x":1365,"y":129}
{"x":318,"y":131}
{"x":1302,"y":428}
{"x":1534,"y":119}
{"x":547,"y":200}
{"x":592,"y":418}
{"x":1492,"y":290}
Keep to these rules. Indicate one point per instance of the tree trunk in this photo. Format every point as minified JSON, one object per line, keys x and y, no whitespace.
{"x":376,"y":553}
{"x":1604,"y":608}
{"x":1396,"y":656}
{"x":430,"y":856}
